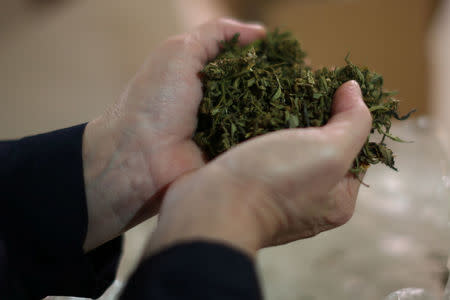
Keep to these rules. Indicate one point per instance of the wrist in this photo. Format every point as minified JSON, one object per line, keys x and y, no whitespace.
{"x":210,"y":205}
{"x":114,"y":175}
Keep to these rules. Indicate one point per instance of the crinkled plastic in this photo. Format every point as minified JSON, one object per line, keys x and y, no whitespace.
{"x":410,"y":294}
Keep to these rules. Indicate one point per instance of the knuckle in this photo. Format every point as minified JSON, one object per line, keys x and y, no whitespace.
{"x":177,"y":41}
{"x":187,"y":44}
{"x":221,"y":24}
{"x":215,"y":23}
{"x":219,"y":21}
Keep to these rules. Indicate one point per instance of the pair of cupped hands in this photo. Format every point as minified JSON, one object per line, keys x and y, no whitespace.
{"x":139,"y":160}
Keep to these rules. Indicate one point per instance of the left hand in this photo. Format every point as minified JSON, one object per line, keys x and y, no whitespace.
{"x":143,"y":143}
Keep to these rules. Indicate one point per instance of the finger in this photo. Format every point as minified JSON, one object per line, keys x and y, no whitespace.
{"x":208,"y":35}
{"x":350,"y":123}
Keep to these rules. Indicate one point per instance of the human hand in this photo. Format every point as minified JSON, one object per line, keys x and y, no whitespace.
{"x":142,"y":143}
{"x":273,"y":189}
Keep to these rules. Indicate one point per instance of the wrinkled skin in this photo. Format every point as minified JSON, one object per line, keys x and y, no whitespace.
{"x":273,"y":189}
{"x":269,"y":190}
{"x":143,"y":142}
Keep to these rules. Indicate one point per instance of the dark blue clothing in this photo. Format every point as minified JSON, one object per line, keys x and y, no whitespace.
{"x":43,"y":224}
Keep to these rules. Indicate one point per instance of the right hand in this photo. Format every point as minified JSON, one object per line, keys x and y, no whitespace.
{"x":272,"y":189}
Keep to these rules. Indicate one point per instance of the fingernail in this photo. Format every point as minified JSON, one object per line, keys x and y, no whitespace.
{"x":252,"y":24}
{"x":356,"y":87}
{"x":256,"y":25}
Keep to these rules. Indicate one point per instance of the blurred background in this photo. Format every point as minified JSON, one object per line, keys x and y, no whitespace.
{"x":62,"y":62}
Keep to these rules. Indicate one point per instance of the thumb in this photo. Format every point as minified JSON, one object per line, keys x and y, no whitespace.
{"x":351,"y":120}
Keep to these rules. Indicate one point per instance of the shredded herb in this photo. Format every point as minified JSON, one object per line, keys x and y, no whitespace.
{"x":266,"y":86}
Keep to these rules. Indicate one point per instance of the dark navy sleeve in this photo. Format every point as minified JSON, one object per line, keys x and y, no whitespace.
{"x":193,"y":271}
{"x":43,"y":215}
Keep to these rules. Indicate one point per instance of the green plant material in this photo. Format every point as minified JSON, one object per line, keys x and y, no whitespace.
{"x":266,"y":86}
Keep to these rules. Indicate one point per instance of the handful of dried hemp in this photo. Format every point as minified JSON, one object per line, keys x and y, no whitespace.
{"x":266,"y":86}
